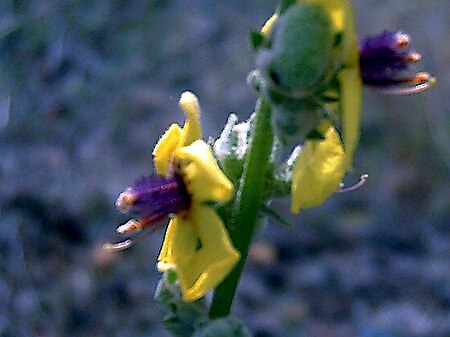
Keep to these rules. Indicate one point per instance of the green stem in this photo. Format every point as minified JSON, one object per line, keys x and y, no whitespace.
{"x":247,"y":205}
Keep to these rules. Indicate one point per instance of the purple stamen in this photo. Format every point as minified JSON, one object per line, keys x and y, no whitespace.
{"x":387,"y":43}
{"x":125,"y":244}
{"x":153,"y":198}
{"x":117,"y":247}
{"x":419,"y":83}
{"x":149,"y":199}
{"x":362,"y":180}
{"x":385,"y":62}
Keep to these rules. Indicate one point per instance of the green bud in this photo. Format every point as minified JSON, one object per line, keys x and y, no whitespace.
{"x":301,"y":51}
{"x":181,"y":317}
{"x":231,"y":147}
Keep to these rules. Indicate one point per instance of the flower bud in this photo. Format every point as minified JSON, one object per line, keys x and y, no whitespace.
{"x":231,"y":147}
{"x":301,"y":50}
{"x":296,"y":59}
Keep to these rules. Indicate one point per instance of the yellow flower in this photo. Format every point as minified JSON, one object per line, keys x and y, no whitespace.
{"x":351,"y":103}
{"x":196,"y":245}
{"x":326,"y":161}
{"x":350,"y":85}
{"x":349,"y":77}
{"x":268,"y":26}
{"x":322,"y":164}
{"x":341,"y":14}
{"x":318,"y":171}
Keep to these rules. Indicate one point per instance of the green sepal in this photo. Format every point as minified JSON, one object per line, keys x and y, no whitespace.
{"x":275,"y":96}
{"x":275,"y":216}
{"x":329,"y":99}
{"x":257,"y":41}
{"x":338,"y":38}
{"x":315,"y":135}
{"x":292,"y":126}
{"x":285,"y":4}
{"x":171,"y":277}
{"x":182,"y":316}
{"x":326,"y":113}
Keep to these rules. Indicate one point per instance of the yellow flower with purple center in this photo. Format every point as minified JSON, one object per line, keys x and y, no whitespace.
{"x":386,"y":62}
{"x":188,"y":182}
{"x":383,"y":62}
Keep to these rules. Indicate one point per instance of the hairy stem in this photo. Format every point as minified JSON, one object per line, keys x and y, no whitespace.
{"x":247,"y":204}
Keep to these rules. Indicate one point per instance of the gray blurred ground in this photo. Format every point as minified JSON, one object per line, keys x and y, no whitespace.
{"x":87,"y":87}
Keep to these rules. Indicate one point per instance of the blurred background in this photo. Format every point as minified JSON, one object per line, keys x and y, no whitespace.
{"x":86,"y":89}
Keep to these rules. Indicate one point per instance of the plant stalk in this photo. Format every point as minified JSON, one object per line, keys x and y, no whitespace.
{"x":247,"y":205}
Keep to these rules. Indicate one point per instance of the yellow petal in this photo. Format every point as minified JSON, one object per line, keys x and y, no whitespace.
{"x":164,"y":149}
{"x":191,"y":108}
{"x":350,"y":47}
{"x":198,"y":247}
{"x":203,"y":178}
{"x":341,"y":14}
{"x":318,"y":172}
{"x":165,"y":258}
{"x":267,"y":28}
{"x":180,"y":238}
{"x":334,"y":8}
{"x":351,"y":103}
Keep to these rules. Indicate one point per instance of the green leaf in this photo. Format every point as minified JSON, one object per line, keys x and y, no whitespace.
{"x":165,"y":294}
{"x":182,"y":316}
{"x":223,"y":327}
{"x":178,"y":327}
{"x":171,"y":276}
{"x":273,"y":215}
{"x":315,"y":135}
